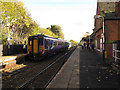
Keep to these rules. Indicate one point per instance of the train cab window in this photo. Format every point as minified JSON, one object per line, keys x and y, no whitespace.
{"x":41,"y":41}
{"x":30,"y":42}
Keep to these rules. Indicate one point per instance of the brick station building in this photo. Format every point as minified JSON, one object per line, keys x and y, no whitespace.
{"x":110,"y":38}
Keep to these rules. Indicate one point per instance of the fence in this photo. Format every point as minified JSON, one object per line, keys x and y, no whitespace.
{"x":13,"y":49}
{"x":116,"y":54}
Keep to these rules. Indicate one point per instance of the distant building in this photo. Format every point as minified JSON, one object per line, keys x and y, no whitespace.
{"x":85,"y":39}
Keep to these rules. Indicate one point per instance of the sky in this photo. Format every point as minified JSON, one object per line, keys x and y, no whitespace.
{"x":74,"y":16}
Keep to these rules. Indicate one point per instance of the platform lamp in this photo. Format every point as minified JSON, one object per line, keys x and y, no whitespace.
{"x":103,"y":49}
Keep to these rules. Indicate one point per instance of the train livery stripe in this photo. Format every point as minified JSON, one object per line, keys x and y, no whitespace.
{"x":35,"y":45}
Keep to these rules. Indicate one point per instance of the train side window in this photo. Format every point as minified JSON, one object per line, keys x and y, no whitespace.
{"x":48,"y":42}
{"x":58,"y":43}
{"x":54,"y":43}
{"x":63,"y":43}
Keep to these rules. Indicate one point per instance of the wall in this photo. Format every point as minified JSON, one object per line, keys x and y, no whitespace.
{"x":111,"y":30}
{"x":109,"y":49}
{"x":14,"y":49}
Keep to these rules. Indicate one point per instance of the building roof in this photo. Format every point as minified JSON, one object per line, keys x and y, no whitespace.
{"x":107,"y":9}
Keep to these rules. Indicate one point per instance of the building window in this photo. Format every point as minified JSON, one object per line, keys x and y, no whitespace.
{"x":114,"y":46}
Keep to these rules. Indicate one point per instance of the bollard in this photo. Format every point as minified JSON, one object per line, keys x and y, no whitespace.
{"x":105,"y":54}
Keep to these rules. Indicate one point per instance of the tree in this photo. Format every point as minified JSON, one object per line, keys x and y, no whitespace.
{"x":48,"y":28}
{"x":17,"y":22}
{"x":16,"y":19}
{"x":74,"y":42}
{"x":56,"y":29}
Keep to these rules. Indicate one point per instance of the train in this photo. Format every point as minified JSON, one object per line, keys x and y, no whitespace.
{"x":39,"y":45}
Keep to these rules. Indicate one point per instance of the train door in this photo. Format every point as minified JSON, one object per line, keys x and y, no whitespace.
{"x":30,"y":46}
{"x":41,"y":45}
{"x":35,"y":45}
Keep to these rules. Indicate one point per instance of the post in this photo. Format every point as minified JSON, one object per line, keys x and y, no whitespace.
{"x":89,"y":42}
{"x":103,"y":39}
{"x":103,"y":43}
{"x":9,"y":38}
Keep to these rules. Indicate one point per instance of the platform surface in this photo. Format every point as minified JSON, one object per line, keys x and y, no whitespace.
{"x":85,"y":69}
{"x":7,"y":59}
{"x":68,"y":76}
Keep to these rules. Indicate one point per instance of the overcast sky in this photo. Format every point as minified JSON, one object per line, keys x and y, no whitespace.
{"x":74,"y":16}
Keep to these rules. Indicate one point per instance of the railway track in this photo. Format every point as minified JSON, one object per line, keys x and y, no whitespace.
{"x":30,"y":65}
{"x":43,"y":68}
{"x":35,"y":78}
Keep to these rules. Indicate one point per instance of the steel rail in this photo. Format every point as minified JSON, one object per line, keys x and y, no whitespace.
{"x":56,"y":72}
{"x":26,"y":82}
{"x":19,"y":71}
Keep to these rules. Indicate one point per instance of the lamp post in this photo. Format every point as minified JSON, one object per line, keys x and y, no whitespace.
{"x":103,"y":33}
{"x":9,"y":38}
{"x":89,"y":42}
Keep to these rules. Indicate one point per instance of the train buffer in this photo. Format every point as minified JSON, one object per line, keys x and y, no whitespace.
{"x":68,"y":76}
{"x":9,"y":61}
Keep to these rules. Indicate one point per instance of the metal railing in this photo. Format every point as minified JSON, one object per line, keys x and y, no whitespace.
{"x":115,"y":54}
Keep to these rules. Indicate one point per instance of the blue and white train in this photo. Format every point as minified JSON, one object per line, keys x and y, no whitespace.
{"x":39,"y":45}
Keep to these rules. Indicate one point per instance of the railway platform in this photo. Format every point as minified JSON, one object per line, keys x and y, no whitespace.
{"x":9,"y":61}
{"x":69,"y":75}
{"x":85,"y":69}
